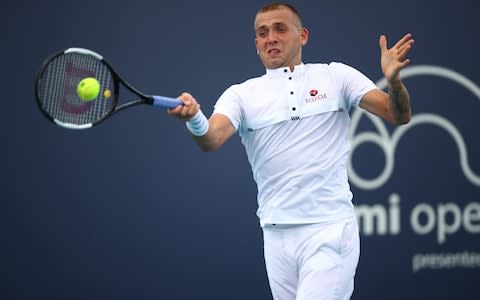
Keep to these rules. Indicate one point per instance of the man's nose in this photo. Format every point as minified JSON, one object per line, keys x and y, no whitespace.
{"x":272,"y":38}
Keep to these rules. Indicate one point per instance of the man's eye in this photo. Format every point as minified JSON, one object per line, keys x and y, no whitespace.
{"x":262,"y":33}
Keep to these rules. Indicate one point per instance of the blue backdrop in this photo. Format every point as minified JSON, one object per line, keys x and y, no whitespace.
{"x":131,"y":209}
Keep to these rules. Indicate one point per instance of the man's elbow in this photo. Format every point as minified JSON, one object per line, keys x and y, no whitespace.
{"x":208,"y":148}
{"x":403,"y":120}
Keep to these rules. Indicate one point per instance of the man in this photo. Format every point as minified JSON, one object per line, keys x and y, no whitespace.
{"x":294,"y":124}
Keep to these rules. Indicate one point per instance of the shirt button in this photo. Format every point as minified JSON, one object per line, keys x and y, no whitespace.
{"x":285,"y":70}
{"x":293,"y":108}
{"x":291,"y":93}
{"x":290,"y":78}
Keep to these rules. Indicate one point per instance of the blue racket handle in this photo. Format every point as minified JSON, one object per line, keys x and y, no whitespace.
{"x":166,"y":102}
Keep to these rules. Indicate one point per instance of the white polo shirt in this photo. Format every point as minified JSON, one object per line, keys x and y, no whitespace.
{"x":295,"y":129}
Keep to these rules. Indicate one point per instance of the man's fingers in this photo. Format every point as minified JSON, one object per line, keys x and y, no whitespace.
{"x":404,"y":40}
{"x":405,"y":47}
{"x":403,"y":52}
{"x":383,"y":43}
{"x":175,"y":110}
{"x":187,"y":109}
{"x":404,"y":63}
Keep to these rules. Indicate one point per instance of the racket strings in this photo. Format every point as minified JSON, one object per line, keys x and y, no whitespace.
{"x":58,"y":89}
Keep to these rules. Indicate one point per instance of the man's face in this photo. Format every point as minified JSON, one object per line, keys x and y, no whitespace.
{"x":279,"y":38}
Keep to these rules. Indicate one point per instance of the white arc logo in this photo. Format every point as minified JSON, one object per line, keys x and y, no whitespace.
{"x":388,"y":143}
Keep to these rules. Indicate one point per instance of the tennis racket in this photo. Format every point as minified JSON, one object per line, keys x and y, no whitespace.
{"x":57,"y":83}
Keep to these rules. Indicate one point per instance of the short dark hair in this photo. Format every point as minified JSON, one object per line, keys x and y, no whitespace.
{"x":277,"y":5}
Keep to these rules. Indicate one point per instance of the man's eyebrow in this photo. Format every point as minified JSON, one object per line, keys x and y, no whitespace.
{"x":262,"y":27}
{"x":273,"y":25}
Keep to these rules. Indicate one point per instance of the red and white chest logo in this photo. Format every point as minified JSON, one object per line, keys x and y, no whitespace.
{"x":315,"y":96}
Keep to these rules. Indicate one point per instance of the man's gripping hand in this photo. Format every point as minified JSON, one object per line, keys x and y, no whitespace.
{"x":186,"y":111}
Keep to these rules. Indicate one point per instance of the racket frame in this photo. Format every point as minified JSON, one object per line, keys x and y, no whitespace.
{"x":117,"y":80}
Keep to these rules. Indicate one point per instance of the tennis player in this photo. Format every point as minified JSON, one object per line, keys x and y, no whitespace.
{"x":294,"y":123}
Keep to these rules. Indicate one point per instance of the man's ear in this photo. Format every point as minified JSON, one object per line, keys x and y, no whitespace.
{"x":304,"y":36}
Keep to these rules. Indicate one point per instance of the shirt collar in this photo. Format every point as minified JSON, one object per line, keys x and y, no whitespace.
{"x":285,"y":70}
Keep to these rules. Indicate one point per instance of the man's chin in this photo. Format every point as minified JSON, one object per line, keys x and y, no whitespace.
{"x":273,"y":64}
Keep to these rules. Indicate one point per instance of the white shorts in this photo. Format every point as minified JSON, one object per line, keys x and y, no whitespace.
{"x":312,"y":261}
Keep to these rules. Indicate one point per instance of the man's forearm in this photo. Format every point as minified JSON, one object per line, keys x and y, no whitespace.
{"x":399,"y":101}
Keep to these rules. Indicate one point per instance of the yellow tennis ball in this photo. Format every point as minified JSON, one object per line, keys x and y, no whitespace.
{"x":107,"y":93}
{"x":88,"y":89}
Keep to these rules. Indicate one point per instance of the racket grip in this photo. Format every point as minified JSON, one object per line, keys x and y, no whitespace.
{"x":165,"y":102}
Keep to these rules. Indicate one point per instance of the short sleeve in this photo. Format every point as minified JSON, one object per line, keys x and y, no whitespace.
{"x":229,"y":104}
{"x":353,"y":84}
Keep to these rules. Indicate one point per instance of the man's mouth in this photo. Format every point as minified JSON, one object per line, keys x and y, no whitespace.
{"x":273,"y":51}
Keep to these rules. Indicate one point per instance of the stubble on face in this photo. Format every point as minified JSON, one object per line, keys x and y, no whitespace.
{"x":279,"y":37}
